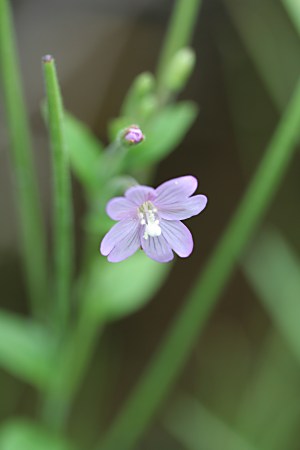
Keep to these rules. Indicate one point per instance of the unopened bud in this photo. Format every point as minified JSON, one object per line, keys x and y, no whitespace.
{"x":132,"y":135}
{"x":179,"y":69}
{"x":142,"y":86}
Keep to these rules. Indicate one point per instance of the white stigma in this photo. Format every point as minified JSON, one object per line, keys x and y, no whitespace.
{"x":148,"y":217}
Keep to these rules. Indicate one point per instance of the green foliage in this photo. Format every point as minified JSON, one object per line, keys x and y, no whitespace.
{"x":196,"y":427}
{"x":30,"y":222}
{"x":26,"y":349}
{"x":116,"y":290}
{"x":273,"y":271}
{"x":84,"y":150}
{"x":293,"y":9}
{"x":179,"y":70}
{"x":22,"y":434}
{"x":63,"y":241}
{"x":142,"y":87}
{"x":273,"y":49}
{"x":164,"y":132}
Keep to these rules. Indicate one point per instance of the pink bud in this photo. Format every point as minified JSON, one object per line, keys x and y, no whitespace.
{"x":133,"y":135}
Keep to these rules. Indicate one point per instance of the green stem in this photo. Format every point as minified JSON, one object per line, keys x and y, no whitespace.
{"x":179,"y":33}
{"x":30,"y":218}
{"x":173,"y":353}
{"x":62,"y":221}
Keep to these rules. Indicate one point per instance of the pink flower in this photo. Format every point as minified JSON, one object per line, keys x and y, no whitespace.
{"x":151,"y":219}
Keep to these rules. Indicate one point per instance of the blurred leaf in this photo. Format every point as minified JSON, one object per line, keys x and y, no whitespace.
{"x":273,"y":270}
{"x":116,"y":290}
{"x":84,"y":151}
{"x":21,"y":434}
{"x":271,"y":44}
{"x":268,"y":411}
{"x":142,"y":86}
{"x":97,"y":222}
{"x":293,"y":9}
{"x":25,"y":349}
{"x":118,"y":124}
{"x":179,"y":70}
{"x":163,"y":133}
{"x":195,"y":427}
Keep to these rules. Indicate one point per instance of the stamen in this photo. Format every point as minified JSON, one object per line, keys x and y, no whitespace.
{"x":148,"y":217}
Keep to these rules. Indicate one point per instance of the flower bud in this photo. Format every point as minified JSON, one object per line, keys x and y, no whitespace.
{"x":179,"y":69}
{"x":142,"y":86}
{"x":132,"y":135}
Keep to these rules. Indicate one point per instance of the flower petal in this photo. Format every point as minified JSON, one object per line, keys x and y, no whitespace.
{"x":157,"y":248}
{"x":120,"y":208}
{"x":140,"y":194}
{"x":125,"y":229}
{"x":173,"y":190}
{"x":178,"y":236}
{"x":126,"y":247}
{"x":182,"y":209}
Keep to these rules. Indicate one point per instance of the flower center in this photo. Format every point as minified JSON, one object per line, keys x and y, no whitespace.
{"x":148,"y":217}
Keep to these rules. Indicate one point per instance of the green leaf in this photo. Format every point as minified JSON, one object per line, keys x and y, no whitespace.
{"x":272,"y":46}
{"x":293,"y":10}
{"x":22,"y":434}
{"x":163,"y":133}
{"x":25,"y":349}
{"x":85,"y":151}
{"x":196,"y":427}
{"x":273,"y":271}
{"x":116,"y":290}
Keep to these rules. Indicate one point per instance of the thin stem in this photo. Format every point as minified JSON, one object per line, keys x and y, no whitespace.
{"x":166,"y":364}
{"x":30,"y":217}
{"x":63,"y":216}
{"x":179,"y":33}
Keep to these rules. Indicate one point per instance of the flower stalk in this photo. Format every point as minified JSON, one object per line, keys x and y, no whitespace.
{"x":62,"y":203}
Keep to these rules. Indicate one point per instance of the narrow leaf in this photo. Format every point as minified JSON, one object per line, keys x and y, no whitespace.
{"x":273,"y":270}
{"x":22,"y":434}
{"x":26,"y":349}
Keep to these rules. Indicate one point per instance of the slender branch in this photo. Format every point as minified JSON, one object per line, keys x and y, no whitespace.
{"x":63,"y":215}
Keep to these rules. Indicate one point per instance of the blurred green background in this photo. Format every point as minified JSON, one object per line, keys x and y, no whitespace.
{"x":240,"y":389}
